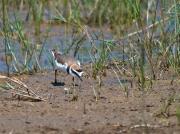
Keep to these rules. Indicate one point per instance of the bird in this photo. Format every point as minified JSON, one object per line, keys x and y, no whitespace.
{"x":67,"y":64}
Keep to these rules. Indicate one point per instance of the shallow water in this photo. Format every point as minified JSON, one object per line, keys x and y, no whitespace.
{"x":60,"y":37}
{"x":57,"y":39}
{"x":3,"y":66}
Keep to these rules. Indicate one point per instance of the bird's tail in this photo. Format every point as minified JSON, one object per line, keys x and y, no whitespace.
{"x":76,"y":73}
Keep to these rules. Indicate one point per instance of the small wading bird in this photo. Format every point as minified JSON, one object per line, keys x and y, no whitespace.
{"x":66,"y":64}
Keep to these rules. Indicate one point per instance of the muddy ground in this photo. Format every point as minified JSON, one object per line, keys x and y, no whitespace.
{"x":114,"y":112}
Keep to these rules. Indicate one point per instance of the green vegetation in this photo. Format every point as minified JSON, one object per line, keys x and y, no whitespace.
{"x":119,"y":16}
{"x":151,"y":30}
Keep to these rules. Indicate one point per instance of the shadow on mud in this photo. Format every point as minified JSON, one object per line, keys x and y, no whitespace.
{"x":58,"y":83}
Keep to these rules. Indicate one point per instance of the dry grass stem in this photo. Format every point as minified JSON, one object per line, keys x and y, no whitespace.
{"x":21,"y":89}
{"x":139,"y":126}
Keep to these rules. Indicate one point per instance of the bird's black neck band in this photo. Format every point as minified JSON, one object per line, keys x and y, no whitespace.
{"x":68,"y":69}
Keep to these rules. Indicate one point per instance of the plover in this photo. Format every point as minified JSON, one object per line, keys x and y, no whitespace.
{"x":67,"y":64}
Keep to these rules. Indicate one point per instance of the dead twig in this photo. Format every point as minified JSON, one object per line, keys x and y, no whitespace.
{"x":139,"y":126}
{"x":22,"y":89}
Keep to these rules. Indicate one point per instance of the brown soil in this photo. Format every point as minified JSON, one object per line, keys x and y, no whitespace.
{"x":114,"y":112}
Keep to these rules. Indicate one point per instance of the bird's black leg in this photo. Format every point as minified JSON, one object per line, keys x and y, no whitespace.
{"x":79,"y":84}
{"x":75,"y":95}
{"x":55,"y":81}
{"x":73,"y":82}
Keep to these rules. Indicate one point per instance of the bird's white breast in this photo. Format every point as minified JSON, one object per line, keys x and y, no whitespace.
{"x":60,"y":66}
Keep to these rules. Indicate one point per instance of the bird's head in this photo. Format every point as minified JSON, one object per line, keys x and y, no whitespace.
{"x":55,"y":53}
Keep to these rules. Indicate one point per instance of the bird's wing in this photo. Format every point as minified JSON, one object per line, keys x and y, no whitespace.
{"x":76,"y":67}
{"x":70,"y":61}
{"x":60,"y":59}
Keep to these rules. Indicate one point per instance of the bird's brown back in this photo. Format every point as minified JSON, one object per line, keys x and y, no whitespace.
{"x":65,"y":59}
{"x":59,"y":58}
